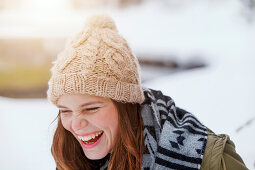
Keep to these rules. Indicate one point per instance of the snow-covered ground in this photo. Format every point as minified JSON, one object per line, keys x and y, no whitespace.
{"x":221,"y":95}
{"x":26,"y":133}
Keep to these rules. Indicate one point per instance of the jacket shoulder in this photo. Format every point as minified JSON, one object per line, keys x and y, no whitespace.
{"x":220,"y":154}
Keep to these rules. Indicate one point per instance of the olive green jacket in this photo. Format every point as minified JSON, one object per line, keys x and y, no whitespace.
{"x":220,"y":154}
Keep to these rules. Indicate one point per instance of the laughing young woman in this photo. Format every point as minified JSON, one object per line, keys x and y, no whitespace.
{"x":108,"y":121}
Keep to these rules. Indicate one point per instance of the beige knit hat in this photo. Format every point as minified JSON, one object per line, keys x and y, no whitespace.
{"x":97,"y":61}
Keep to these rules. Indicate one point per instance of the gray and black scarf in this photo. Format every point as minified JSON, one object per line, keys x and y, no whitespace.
{"x":174,"y":138}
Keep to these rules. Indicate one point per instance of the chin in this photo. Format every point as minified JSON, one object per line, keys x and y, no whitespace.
{"x":95,"y":156}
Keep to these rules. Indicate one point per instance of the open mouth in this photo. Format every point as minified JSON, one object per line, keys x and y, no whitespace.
{"x":91,"y":139}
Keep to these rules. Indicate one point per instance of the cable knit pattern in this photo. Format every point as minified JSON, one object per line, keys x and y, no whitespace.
{"x":97,"y":61}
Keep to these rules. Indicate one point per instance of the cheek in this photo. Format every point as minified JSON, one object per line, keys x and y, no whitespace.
{"x":66,"y":123}
{"x":108,"y":119}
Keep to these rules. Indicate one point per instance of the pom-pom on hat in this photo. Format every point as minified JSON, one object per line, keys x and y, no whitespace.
{"x":100,"y":21}
{"x":97,"y":61}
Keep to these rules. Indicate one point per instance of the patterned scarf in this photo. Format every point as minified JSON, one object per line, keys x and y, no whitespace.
{"x":174,"y":138}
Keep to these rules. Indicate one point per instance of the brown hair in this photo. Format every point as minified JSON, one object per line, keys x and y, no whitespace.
{"x":127,"y":152}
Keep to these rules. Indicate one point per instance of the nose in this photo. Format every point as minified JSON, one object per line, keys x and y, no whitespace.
{"x":79,"y":122}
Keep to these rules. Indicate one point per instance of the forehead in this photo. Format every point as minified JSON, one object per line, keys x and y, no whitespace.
{"x":75,"y":100}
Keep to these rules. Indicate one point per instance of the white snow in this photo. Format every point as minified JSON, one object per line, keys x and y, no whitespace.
{"x":26,"y":134}
{"x":221,"y":95}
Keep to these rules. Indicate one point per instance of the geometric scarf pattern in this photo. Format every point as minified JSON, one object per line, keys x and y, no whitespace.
{"x":174,"y":138}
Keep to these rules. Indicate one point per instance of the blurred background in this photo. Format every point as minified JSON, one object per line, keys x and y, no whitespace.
{"x":199,"y":52}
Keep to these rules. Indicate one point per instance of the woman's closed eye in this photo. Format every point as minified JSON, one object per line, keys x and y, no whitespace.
{"x":92,"y":109}
{"x":64,"y":111}
{"x":85,"y":110}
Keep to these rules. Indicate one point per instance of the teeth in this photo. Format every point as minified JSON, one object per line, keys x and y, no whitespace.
{"x":87,"y":138}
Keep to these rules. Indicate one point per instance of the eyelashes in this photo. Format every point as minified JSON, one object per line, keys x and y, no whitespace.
{"x":92,"y":109}
{"x":64,"y":111}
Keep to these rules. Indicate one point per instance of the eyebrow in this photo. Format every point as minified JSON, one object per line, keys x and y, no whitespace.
{"x":82,"y":105}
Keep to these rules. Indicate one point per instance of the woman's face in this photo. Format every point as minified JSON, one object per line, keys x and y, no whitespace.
{"x":92,"y":120}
